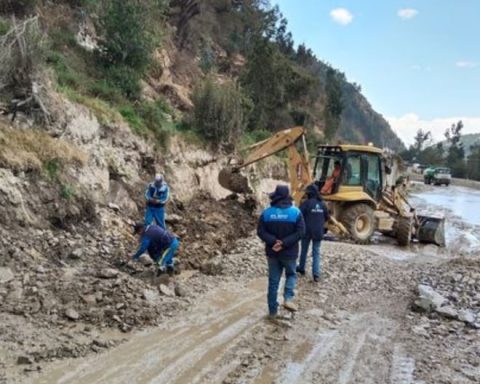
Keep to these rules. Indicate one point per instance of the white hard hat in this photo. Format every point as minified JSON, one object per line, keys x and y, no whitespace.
{"x":158,"y":177}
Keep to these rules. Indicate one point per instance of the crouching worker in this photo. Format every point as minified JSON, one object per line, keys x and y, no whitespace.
{"x":281,"y":227}
{"x":160,"y":244}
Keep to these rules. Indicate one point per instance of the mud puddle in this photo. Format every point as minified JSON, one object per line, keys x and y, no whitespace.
{"x":461,"y":208}
{"x":463,"y":202}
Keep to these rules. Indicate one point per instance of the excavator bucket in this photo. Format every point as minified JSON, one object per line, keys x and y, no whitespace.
{"x":233,"y":180}
{"x":431,"y":230}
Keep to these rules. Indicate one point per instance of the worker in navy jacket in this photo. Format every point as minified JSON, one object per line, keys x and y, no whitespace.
{"x":160,"y":244}
{"x":281,"y":227}
{"x":315,"y":214}
{"x":156,"y":196}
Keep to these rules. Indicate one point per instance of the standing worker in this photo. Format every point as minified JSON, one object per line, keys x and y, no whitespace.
{"x":156,"y":196}
{"x":315,"y":214}
{"x":281,"y":227}
{"x":160,"y":244}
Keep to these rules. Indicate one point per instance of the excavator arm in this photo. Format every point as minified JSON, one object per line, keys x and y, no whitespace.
{"x":299,"y":165}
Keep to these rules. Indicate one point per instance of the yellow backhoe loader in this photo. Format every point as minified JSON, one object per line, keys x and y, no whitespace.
{"x":353,"y":180}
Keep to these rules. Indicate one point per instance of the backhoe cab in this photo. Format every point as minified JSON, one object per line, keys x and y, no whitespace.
{"x":350,"y":180}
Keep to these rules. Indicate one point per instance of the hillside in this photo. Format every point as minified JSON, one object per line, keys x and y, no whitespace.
{"x":467,"y":141}
{"x":148,"y":60}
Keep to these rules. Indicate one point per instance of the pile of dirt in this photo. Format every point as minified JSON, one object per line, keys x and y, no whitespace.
{"x":208,"y":228}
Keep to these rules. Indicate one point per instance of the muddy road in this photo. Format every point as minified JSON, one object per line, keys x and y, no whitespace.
{"x":356,"y":326}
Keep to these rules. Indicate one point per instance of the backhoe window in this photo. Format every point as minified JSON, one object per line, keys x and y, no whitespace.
{"x":374,"y":182}
{"x":351,"y":173}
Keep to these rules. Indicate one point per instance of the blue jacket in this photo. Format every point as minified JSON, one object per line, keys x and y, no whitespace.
{"x":315,"y":214}
{"x":161,"y":194}
{"x":155,"y":240}
{"x":281,"y":221}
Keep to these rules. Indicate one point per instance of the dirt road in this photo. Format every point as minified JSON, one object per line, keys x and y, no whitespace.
{"x":353,"y":327}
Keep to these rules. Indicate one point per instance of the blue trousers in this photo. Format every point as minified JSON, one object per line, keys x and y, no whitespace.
{"x":275,"y":271}
{"x":166,"y":257}
{"x":157,"y":214}
{"x":315,"y":253}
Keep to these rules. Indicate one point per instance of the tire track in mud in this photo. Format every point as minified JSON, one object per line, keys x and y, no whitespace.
{"x":185,"y":353}
{"x":358,"y":351}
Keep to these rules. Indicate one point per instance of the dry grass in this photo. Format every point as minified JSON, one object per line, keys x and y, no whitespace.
{"x":25,"y":150}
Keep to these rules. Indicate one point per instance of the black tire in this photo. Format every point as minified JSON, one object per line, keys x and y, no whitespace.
{"x":404,"y":231}
{"x":359,"y":221}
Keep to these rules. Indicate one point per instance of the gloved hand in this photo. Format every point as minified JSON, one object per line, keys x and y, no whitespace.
{"x":153,"y":201}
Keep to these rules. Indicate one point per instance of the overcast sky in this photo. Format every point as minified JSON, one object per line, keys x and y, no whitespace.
{"x":418,"y":61}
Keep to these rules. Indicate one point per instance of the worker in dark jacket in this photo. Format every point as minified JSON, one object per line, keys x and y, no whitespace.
{"x":156,"y":196}
{"x":160,"y":244}
{"x":315,"y":214}
{"x":281,"y":227}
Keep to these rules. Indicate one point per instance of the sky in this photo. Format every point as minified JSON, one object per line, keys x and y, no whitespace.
{"x":417,"y":61}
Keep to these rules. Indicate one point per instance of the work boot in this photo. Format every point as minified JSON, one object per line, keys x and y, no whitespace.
{"x":301,"y":272}
{"x":316,"y":279}
{"x":290,"y":306}
{"x":170,"y":270}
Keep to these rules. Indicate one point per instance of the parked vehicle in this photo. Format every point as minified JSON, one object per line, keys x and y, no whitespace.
{"x":437,"y":176}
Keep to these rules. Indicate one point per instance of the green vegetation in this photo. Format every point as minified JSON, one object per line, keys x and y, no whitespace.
{"x":4,"y":26}
{"x":220,"y":111}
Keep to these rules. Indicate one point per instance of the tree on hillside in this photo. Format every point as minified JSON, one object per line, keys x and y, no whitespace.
{"x":432,"y":155}
{"x":456,"y":153}
{"x":473,"y":163}
{"x":421,"y":138}
{"x":220,"y":111}
{"x":334,"y":104}
{"x":126,"y":43}
{"x":415,"y":150}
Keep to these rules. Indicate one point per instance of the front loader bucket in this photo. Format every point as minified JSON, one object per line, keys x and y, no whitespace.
{"x":233,"y":181}
{"x":431,"y":230}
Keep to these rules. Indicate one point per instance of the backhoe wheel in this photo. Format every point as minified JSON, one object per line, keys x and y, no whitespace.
{"x":360,"y":222}
{"x":404,"y":231}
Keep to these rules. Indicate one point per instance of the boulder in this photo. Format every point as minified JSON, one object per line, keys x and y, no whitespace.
{"x":466,"y":316}
{"x":150,"y":295}
{"x":76,"y":254}
{"x":71,"y":314}
{"x":180,"y":290}
{"x":108,"y":273}
{"x":173,"y":219}
{"x":23,"y":360}
{"x":447,"y":311}
{"x":164,"y":290}
{"x":429,"y":299}
{"x":6,"y":275}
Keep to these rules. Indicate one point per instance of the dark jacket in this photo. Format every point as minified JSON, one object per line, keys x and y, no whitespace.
{"x":315,"y":214}
{"x":281,"y":221}
{"x":158,"y":193}
{"x":155,"y":240}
